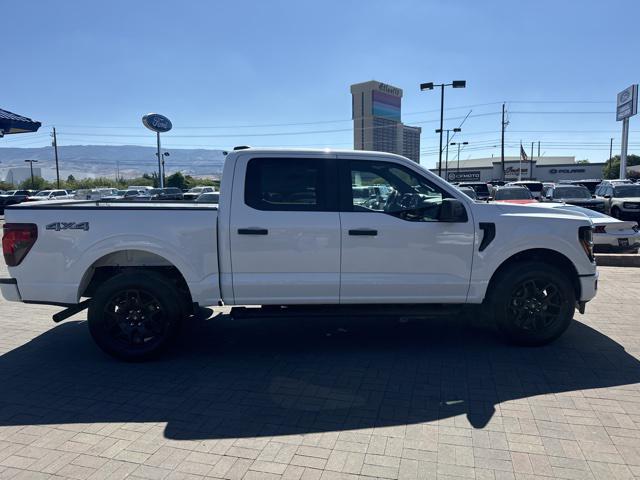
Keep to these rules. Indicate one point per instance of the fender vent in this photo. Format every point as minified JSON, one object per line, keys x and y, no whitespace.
{"x":489,"y":230}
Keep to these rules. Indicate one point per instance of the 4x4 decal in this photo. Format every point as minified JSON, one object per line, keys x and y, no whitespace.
{"x":57,"y":226}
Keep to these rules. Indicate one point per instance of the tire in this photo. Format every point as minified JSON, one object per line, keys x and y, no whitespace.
{"x":135,"y":316}
{"x":532,"y":303}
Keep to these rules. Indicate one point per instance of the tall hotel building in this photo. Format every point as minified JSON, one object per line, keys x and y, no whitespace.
{"x":376,"y":109}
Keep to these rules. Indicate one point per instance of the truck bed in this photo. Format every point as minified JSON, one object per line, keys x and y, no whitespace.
{"x":77,"y":237}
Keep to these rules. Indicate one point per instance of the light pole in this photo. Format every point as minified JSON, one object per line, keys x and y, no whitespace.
{"x":31,"y":162}
{"x":446,"y":157}
{"x":430,"y":86}
{"x":459,"y":143}
{"x":164,"y":155}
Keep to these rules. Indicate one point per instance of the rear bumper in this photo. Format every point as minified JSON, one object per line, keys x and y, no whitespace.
{"x":9,"y":289}
{"x":588,"y":287}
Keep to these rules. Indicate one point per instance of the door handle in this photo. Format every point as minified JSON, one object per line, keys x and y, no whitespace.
{"x":253,"y":231}
{"x":363,"y":232}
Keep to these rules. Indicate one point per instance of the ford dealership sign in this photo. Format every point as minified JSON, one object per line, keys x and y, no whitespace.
{"x":156,"y":122}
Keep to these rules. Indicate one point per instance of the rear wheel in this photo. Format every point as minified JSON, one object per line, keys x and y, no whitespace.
{"x":135,"y":316}
{"x":532,"y":303}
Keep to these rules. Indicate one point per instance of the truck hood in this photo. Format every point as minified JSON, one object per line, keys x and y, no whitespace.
{"x":532,"y":210}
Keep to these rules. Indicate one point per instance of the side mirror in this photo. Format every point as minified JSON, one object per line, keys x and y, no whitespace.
{"x":452,"y":210}
{"x":593,"y":196}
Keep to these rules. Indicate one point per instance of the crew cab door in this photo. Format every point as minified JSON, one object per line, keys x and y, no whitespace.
{"x":285,"y":230}
{"x":394,"y":249}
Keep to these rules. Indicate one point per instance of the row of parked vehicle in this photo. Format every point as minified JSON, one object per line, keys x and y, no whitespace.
{"x":133,"y":193}
{"x":612,"y":205}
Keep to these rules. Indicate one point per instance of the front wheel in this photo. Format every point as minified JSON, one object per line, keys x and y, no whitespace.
{"x":135,"y":316}
{"x":615,"y":213}
{"x":532,"y":303}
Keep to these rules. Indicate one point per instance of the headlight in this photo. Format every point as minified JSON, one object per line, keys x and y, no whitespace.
{"x":585,"y":235}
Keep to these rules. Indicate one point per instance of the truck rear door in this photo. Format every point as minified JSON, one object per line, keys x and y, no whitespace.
{"x":284,"y":230}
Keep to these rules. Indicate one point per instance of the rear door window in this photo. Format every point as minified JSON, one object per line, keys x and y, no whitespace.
{"x":289,"y":184}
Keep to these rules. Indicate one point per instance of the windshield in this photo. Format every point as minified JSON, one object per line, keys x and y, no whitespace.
{"x":571,"y":192}
{"x":533,"y":187}
{"x":470,"y":192}
{"x":196,"y":190}
{"x":43,"y":193}
{"x":513,"y":194}
{"x":477,"y":187}
{"x":626,"y":191}
{"x":584,"y":211}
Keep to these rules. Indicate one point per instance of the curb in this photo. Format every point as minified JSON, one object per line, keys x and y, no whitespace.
{"x":617,"y":260}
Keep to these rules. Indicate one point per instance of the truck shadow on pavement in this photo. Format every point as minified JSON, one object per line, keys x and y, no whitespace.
{"x":230,"y":378}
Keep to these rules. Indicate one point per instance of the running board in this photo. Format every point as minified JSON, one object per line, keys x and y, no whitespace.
{"x":368,"y":310}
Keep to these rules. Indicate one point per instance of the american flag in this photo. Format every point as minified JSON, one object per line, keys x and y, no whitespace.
{"x":523,"y":154}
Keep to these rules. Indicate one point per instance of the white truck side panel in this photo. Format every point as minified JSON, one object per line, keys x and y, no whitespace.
{"x":60,"y":260}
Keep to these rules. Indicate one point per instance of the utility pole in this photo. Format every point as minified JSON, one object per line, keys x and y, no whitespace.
{"x":502,"y":143}
{"x":441,"y":127}
{"x":538,"y":149}
{"x":531,"y":163}
{"x":446,"y":162}
{"x":55,"y":151}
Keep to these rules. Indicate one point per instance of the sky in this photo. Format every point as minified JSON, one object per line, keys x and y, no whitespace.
{"x":277,"y":73}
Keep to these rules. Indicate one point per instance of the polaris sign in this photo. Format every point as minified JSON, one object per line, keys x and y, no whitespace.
{"x":156,"y":122}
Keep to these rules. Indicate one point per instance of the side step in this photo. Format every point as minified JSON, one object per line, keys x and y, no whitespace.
{"x":368,"y":310}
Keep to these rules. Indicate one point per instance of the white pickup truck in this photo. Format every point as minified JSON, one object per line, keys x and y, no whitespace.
{"x":290,"y":231}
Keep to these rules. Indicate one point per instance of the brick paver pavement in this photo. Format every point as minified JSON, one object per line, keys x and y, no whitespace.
{"x":326,"y":399}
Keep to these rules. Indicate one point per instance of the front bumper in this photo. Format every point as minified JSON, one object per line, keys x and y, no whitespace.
{"x":588,"y":286}
{"x":9,"y":289}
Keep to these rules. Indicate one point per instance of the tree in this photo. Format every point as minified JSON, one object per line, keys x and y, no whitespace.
{"x":39,"y":183}
{"x":612,"y":168}
{"x":71,"y":179}
{"x":177,"y":180}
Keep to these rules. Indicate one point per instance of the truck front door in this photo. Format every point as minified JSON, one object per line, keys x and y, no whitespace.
{"x":394,"y":249}
{"x":285,"y":231}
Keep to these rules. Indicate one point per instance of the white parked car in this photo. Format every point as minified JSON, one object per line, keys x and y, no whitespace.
{"x":49,"y":195}
{"x":291,"y":231}
{"x":610,"y":235}
{"x":195,"y":192}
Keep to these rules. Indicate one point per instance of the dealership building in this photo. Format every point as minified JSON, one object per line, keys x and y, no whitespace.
{"x":544,"y":169}
{"x":377,"y":126}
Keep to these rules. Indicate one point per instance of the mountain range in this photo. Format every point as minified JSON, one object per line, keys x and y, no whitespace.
{"x":105,"y":160}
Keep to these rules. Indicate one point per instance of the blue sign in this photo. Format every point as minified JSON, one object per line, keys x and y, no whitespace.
{"x":156,"y":122}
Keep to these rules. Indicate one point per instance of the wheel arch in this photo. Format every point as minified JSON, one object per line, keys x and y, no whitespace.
{"x":118,"y":261}
{"x":542,"y":255}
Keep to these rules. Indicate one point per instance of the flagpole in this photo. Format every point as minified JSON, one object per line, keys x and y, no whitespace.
{"x":520,"y":163}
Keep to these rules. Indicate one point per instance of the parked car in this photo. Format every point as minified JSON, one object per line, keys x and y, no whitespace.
{"x":94,"y":193}
{"x":195,"y":192}
{"x":49,"y":195}
{"x":169,"y":193}
{"x":591,"y":184}
{"x":288,"y":231}
{"x":468,"y":191}
{"x":13,"y":197}
{"x":534,"y":187}
{"x":118,"y":195}
{"x":621,"y":200}
{"x":518,"y":195}
{"x":573,"y":195}
{"x":481,"y":189}
{"x":610,"y":235}
{"x":209,"y":197}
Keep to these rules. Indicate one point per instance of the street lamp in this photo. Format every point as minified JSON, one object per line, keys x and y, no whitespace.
{"x":31,"y":162}
{"x":430,"y":86}
{"x":446,"y":158}
{"x":459,"y":143}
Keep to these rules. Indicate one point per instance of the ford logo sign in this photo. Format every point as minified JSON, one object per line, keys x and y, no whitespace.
{"x":156,"y":122}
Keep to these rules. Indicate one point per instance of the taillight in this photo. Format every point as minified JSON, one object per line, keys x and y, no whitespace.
{"x":599,"y":229}
{"x":585,"y":235}
{"x":17,"y":240}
